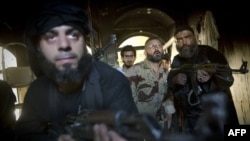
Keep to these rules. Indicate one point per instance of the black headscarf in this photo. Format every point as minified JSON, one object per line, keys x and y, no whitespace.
{"x":58,"y":13}
{"x":51,"y":15}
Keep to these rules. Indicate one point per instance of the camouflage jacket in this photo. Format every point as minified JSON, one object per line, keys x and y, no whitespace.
{"x":148,"y":89}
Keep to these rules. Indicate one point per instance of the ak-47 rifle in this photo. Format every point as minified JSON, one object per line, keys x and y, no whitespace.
{"x":210,"y":68}
{"x":191,"y":70}
{"x":143,"y":127}
{"x":222,"y":71}
{"x":134,"y":127}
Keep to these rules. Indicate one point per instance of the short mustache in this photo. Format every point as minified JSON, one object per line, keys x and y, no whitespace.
{"x":65,"y":55}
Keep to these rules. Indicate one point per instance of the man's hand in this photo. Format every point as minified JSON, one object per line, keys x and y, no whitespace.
{"x":65,"y":137}
{"x":203,"y":76}
{"x":168,"y":118}
{"x":101,"y":133}
{"x":180,"y":79}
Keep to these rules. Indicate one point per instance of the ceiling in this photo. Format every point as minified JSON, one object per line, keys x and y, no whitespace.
{"x":231,"y":17}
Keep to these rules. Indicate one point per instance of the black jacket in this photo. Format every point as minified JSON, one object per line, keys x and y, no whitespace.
{"x":7,"y":109}
{"x":220,"y":82}
{"x":44,"y":106}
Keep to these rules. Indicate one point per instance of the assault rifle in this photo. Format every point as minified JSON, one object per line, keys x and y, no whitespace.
{"x":221,"y":70}
{"x":210,"y":68}
{"x":134,"y":127}
{"x":191,"y":70}
{"x":143,"y":127}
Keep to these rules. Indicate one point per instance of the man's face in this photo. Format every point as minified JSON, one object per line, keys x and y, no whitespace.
{"x":62,"y":46}
{"x":154,"y":50}
{"x":165,"y":63}
{"x":186,"y":43}
{"x":128,"y":58}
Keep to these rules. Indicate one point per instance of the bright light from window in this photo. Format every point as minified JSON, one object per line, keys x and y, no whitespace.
{"x":8,"y":60}
{"x":134,"y":41}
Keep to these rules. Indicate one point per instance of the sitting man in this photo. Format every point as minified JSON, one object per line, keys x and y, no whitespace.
{"x":69,"y":81}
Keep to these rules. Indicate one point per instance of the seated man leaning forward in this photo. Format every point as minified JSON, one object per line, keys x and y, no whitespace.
{"x":69,"y":81}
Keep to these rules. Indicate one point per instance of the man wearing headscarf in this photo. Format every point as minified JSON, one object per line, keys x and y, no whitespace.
{"x":69,"y":81}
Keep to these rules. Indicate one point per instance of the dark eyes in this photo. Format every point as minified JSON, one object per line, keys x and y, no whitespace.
{"x":71,"y":34}
{"x":49,"y":36}
{"x":74,"y":34}
{"x":153,"y":46}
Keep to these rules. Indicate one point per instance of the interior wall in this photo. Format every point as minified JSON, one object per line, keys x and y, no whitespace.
{"x":241,"y":87}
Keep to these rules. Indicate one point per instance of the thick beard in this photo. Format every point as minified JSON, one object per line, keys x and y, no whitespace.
{"x":155,"y":59}
{"x":68,"y":74}
{"x":187,"y":53}
{"x":128,"y":66}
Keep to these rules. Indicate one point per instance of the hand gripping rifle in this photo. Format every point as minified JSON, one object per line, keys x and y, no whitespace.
{"x":143,"y":127}
{"x":133,"y":127}
{"x":222,"y":71}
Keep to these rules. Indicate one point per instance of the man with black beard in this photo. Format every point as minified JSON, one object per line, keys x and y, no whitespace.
{"x":148,"y":82}
{"x":188,"y":87}
{"x":69,"y":81}
{"x":128,"y":56}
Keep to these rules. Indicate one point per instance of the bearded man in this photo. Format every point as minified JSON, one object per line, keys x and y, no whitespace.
{"x":148,"y":83}
{"x":190,"y":85}
{"x":69,"y":81}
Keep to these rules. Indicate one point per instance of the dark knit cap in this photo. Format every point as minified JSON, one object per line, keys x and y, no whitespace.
{"x":183,"y":27}
{"x":55,"y":14}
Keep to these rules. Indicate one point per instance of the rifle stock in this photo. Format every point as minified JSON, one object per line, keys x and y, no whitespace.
{"x":133,"y":127}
